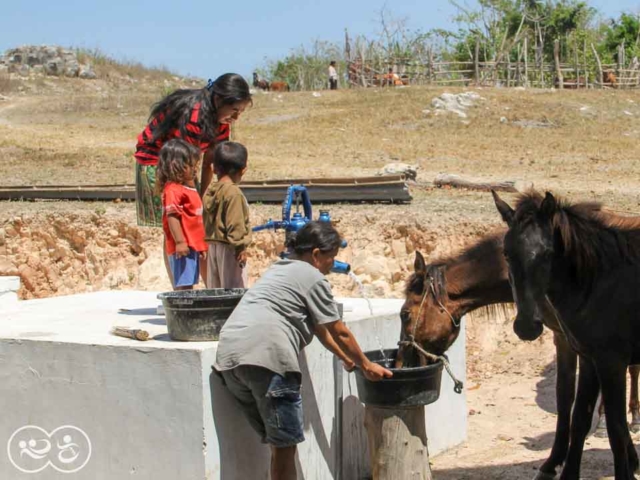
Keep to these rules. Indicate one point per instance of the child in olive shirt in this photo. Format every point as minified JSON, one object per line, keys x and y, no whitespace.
{"x":226,"y":219}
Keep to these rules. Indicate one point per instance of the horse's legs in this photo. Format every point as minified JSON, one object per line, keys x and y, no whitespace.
{"x":588,"y":387}
{"x":612,"y":376}
{"x":634,"y":403}
{"x":565,"y":395}
{"x":634,"y":406}
{"x":601,"y":429}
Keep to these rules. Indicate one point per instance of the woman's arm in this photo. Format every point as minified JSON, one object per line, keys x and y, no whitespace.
{"x":348,"y":344}
{"x":329,"y":343}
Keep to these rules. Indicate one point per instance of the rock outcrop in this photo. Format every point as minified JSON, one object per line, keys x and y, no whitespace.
{"x":44,"y":60}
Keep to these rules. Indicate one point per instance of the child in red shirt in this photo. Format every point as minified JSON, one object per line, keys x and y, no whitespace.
{"x":181,"y":212}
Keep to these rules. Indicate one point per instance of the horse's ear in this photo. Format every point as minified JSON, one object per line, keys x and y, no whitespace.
{"x":548,"y":206}
{"x":419,"y":265}
{"x":505,"y":210}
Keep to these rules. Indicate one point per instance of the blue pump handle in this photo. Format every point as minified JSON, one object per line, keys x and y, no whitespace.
{"x":292,"y":192}
{"x":274,"y":224}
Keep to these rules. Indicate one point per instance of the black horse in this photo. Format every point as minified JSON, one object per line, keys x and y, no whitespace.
{"x":583,"y":264}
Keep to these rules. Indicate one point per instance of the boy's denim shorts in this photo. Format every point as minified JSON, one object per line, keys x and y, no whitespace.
{"x":185,"y":270}
{"x":272,"y":403}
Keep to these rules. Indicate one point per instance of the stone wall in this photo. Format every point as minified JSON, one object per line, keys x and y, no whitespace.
{"x":44,"y":60}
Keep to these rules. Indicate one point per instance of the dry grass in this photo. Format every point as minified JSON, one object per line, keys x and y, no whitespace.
{"x":89,"y":136}
{"x":106,"y":66}
{"x":7,"y":84}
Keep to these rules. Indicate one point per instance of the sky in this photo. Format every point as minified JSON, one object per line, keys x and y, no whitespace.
{"x":208,"y":38}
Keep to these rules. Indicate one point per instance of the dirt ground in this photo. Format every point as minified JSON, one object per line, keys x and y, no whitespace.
{"x":586,"y":149}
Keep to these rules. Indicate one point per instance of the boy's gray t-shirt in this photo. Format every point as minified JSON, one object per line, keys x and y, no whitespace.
{"x":274,"y":320}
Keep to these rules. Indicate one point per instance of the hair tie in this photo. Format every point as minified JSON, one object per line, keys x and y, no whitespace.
{"x":209,"y":85}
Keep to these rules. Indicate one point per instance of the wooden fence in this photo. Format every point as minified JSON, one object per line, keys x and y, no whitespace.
{"x":522,"y":73}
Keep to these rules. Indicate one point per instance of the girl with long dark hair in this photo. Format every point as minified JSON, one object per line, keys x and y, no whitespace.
{"x":199,"y":116}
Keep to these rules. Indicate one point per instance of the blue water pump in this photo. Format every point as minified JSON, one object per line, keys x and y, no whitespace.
{"x":297,"y":194}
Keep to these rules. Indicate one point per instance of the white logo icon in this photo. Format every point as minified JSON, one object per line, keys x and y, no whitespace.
{"x":31,"y":449}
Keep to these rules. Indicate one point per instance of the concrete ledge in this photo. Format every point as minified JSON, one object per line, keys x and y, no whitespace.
{"x":9,"y":284}
{"x":9,"y":287}
{"x":155,"y":409}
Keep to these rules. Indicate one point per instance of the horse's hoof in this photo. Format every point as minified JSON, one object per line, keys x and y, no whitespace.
{"x":544,"y":476}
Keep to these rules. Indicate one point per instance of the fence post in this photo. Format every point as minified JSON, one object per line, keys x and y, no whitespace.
{"x":476,"y":61}
{"x":526,"y":63}
{"x":600,"y":76}
{"x":556,"y":56}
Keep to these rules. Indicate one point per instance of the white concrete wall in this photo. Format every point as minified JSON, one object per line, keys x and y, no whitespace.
{"x":155,"y":410}
{"x":9,"y":287}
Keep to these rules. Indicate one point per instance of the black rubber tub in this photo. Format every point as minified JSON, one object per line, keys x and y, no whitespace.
{"x":409,"y":387}
{"x":198,"y":315}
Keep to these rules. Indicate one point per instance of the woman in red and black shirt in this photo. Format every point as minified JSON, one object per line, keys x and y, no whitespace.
{"x":201,"y":117}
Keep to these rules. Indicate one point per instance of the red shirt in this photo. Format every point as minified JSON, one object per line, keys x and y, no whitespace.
{"x":147,"y":150}
{"x":183,"y":202}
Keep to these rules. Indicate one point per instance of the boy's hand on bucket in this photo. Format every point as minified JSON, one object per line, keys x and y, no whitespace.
{"x":374,"y":372}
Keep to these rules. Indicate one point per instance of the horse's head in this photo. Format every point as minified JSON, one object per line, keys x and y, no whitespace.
{"x":529,"y":250}
{"x":426,"y":317}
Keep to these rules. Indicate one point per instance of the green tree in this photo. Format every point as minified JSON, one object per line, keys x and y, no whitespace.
{"x":625,"y":30}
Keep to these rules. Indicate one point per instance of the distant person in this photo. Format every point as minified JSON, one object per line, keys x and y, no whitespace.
{"x":261,"y":341}
{"x":333,"y":76}
{"x":226,"y":219}
{"x":201,"y":117}
{"x":181,"y":212}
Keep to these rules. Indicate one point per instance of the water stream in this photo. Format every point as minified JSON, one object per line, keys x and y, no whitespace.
{"x":386,"y":362}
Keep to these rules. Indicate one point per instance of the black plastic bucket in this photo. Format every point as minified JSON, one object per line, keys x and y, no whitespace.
{"x":409,"y":387}
{"x":198,"y":315}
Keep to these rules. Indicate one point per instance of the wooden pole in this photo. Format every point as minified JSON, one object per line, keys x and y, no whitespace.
{"x":432,"y":72}
{"x":518,"y":72}
{"x":397,"y":443}
{"x":576,"y":64}
{"x":476,"y":61}
{"x":526,"y":63}
{"x":600,"y":76}
{"x":586,"y":64}
{"x":556,"y":56}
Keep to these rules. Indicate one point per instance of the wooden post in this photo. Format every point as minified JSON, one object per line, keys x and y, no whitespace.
{"x":556,"y":56}
{"x":397,"y":443}
{"x":432,"y":73}
{"x":476,"y":61}
{"x":526,"y":63}
{"x":586,"y":64}
{"x":576,"y":64}
{"x":600,"y":76}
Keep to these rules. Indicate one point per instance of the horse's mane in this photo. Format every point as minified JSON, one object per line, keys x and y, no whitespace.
{"x":435,"y":270}
{"x":592,"y":238}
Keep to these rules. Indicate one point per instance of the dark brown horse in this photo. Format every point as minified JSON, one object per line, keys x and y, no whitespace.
{"x":473,"y":279}
{"x":259,"y":82}
{"x":583,"y":265}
